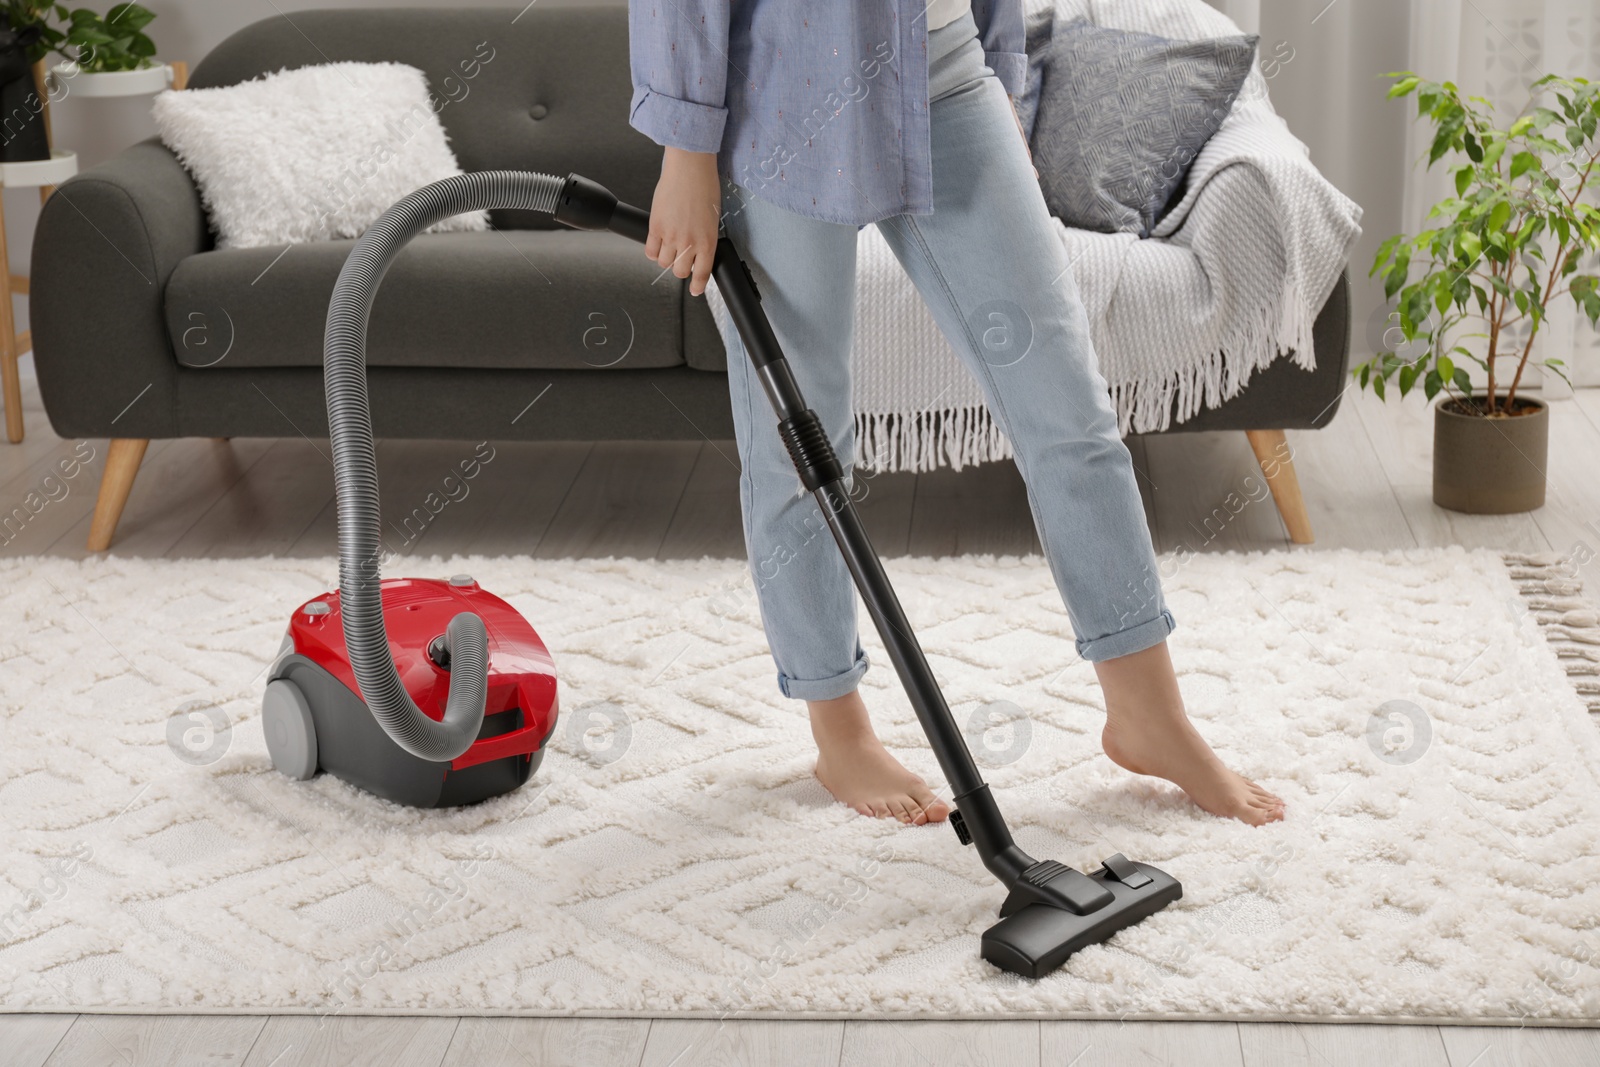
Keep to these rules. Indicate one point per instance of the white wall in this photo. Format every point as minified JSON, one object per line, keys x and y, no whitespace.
{"x":1325,"y":60}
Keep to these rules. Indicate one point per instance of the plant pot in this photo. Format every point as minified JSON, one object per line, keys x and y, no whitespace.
{"x":139,"y":82}
{"x":25,"y":137}
{"x":1490,"y":466}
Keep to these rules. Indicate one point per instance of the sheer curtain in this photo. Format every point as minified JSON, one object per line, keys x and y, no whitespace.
{"x":1496,"y":49}
{"x":1326,"y":59}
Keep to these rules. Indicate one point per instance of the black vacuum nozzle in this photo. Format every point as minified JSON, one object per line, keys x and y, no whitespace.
{"x":1036,"y":936}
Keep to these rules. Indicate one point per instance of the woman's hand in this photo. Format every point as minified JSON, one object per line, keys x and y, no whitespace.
{"x":684,"y":214}
{"x":1018,"y":116}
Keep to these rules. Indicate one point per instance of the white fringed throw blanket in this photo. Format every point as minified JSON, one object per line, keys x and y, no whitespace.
{"x":1231,"y":278}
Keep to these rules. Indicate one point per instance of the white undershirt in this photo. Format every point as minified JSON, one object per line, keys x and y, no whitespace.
{"x":944,"y":12}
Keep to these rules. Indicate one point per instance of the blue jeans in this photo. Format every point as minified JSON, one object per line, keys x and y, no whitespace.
{"x":995,"y":276}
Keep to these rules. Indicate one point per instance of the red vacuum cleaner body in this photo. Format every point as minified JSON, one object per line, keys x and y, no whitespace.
{"x":316,"y":719}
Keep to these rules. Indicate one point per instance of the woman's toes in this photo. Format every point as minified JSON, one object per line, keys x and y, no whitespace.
{"x":934,"y":809}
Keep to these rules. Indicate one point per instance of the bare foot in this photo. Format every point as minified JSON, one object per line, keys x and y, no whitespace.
{"x":853,"y":765}
{"x":1176,"y":752}
{"x":1147,"y":731}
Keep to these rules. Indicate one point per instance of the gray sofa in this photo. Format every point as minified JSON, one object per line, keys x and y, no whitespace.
{"x":143,"y":329}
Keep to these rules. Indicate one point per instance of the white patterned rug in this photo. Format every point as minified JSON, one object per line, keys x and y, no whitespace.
{"x":1439,"y":860}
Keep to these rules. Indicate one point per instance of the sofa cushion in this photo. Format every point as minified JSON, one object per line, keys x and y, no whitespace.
{"x":1122,"y":115}
{"x":312,"y":154}
{"x":513,"y":299}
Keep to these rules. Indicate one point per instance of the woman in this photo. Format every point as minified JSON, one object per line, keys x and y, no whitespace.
{"x":795,"y":125}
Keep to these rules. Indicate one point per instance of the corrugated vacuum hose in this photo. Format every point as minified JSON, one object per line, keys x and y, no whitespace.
{"x":355,"y":468}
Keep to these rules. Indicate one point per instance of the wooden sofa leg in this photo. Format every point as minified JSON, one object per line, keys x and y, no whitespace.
{"x":11,"y":383}
{"x":1277,"y":463}
{"x":122,"y":464}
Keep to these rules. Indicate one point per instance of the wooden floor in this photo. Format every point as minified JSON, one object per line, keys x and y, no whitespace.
{"x":1367,"y":482}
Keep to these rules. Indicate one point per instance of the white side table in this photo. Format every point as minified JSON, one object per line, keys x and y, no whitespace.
{"x":47,"y":174}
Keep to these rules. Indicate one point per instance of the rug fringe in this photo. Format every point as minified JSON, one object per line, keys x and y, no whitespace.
{"x":1553,"y":590}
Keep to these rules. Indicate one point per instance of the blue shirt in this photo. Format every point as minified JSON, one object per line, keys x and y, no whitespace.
{"x":819,"y":106}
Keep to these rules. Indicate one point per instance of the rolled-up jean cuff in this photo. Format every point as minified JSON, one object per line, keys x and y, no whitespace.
{"x":824,"y":688}
{"x":1127,"y":642}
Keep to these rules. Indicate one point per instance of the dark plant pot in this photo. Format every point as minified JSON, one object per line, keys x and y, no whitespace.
{"x":1490,"y":466}
{"x":24,"y":134}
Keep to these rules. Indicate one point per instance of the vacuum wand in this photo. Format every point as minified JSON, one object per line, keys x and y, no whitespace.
{"x":1052,"y":910}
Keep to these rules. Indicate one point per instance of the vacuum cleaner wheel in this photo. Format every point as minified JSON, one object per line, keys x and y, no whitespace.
{"x":291,"y":736}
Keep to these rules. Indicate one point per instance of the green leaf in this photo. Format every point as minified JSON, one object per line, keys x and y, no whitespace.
{"x":1431,"y":384}
{"x":1384,"y":251}
{"x":1463,"y":179}
{"x":1404,"y":86}
{"x":1499,"y":216}
{"x":1445,"y":366}
{"x":1414,"y":308}
{"x":1408,"y":378}
{"x":1377,"y":387}
{"x":1559,"y":371}
{"x":1522,"y":163}
{"x":128,"y":18}
{"x":1463,"y":381}
{"x":1395,"y":279}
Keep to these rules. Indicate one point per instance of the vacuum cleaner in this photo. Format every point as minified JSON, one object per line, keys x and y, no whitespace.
{"x":467,"y":712}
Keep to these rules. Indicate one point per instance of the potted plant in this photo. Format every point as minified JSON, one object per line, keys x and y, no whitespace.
{"x":1507,"y":244}
{"x":110,"y":55}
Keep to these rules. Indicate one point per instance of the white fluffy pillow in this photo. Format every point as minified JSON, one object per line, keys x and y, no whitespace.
{"x":311,"y":154}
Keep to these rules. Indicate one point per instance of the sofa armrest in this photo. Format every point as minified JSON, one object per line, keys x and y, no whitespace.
{"x":106,"y":243}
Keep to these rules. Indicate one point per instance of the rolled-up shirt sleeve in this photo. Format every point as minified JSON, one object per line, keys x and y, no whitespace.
{"x":1001,"y":30}
{"x":678,"y":54}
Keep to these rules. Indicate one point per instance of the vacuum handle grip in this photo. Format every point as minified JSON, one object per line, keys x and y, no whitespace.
{"x":585,"y":204}
{"x":631,"y":222}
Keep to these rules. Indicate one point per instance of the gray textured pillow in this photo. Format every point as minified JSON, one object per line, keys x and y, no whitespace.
{"x":1121,"y":116}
